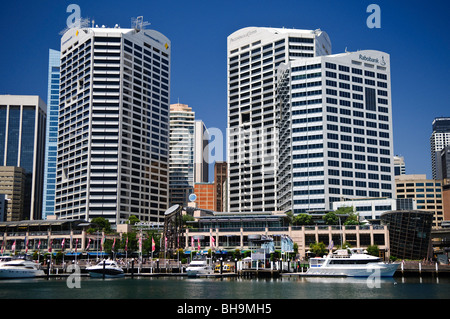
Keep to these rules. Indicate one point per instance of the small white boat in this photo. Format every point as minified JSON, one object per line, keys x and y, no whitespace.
{"x":199,"y":266}
{"x":20,"y":268}
{"x":350,"y":263}
{"x":106,"y":268}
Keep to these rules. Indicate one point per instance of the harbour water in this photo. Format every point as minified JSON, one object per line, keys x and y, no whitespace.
{"x":430,"y":287}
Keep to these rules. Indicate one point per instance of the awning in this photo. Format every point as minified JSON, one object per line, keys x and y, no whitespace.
{"x":219,"y":252}
{"x":187,"y":252}
{"x":98,"y":254}
{"x":73,"y":254}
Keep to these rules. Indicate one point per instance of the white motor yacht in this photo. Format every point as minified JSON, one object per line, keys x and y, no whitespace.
{"x":106,"y":268}
{"x":4,"y":259}
{"x":199,"y":266}
{"x":350,"y":263}
{"x":20,"y":268}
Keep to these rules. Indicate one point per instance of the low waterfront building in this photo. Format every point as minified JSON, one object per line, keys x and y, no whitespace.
{"x":42,"y":235}
{"x":231,"y":231}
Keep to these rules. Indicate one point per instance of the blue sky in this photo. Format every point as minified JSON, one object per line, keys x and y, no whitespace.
{"x":414,"y":33}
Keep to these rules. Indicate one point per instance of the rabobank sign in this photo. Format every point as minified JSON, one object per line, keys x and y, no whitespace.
{"x":373,"y":60}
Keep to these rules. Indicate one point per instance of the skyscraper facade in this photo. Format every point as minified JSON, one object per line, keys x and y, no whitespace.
{"x":22,"y":140}
{"x":113,"y":139}
{"x":12,"y":190}
{"x":445,"y":163}
{"x":399,"y":165}
{"x":51,"y":134}
{"x":440,"y":137}
{"x":253,"y":55}
{"x":188,"y":153}
{"x":428,"y":194}
{"x":205,"y":195}
{"x":181,"y":165}
{"x":335,"y":130}
{"x":201,"y":152}
{"x":220,"y":177}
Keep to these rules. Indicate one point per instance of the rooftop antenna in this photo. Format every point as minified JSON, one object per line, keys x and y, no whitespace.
{"x":80,"y":23}
{"x":138,"y":23}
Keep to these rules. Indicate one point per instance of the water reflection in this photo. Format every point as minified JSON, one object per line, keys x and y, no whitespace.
{"x":289,"y":287}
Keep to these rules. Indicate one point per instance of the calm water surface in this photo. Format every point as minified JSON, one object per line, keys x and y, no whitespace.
{"x":227,"y":288}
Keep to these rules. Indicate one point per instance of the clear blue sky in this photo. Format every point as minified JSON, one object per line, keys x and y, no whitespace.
{"x":414,"y":33}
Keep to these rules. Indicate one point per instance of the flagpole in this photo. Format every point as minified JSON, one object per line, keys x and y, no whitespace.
{"x":76,"y":248}
{"x":63,"y":243}
{"x":39,"y":251}
{"x":140,"y":250}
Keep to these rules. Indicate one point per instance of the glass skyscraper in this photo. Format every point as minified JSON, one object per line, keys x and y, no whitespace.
{"x":22,"y":140}
{"x":51,"y":137}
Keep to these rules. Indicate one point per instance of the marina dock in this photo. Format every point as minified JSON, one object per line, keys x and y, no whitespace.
{"x":409,"y":269}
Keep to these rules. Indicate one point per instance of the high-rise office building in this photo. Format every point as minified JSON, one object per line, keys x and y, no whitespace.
{"x":22,"y":140}
{"x":253,"y":54}
{"x":188,"y":153}
{"x":113,"y":139}
{"x":445,"y":163}
{"x":440,"y":137}
{"x":181,"y":151}
{"x":335,"y":130}
{"x":201,"y":152}
{"x":399,"y":165}
{"x":205,"y":195}
{"x":51,"y":134}
{"x":428,"y":194}
{"x":12,"y":189}
{"x":220,"y":177}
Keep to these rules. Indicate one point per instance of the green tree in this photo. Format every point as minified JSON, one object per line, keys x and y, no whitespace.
{"x":352,"y":219}
{"x":147,"y":246}
{"x":303,"y":219}
{"x":132,"y":244}
{"x":59,"y":256}
{"x":101,"y":224}
{"x":318,"y":249}
{"x":373,"y":250}
{"x":186,"y":218}
{"x":290,"y":217}
{"x":344,"y":210}
{"x":295,"y":248}
{"x":133,"y":220}
{"x":331,"y":218}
